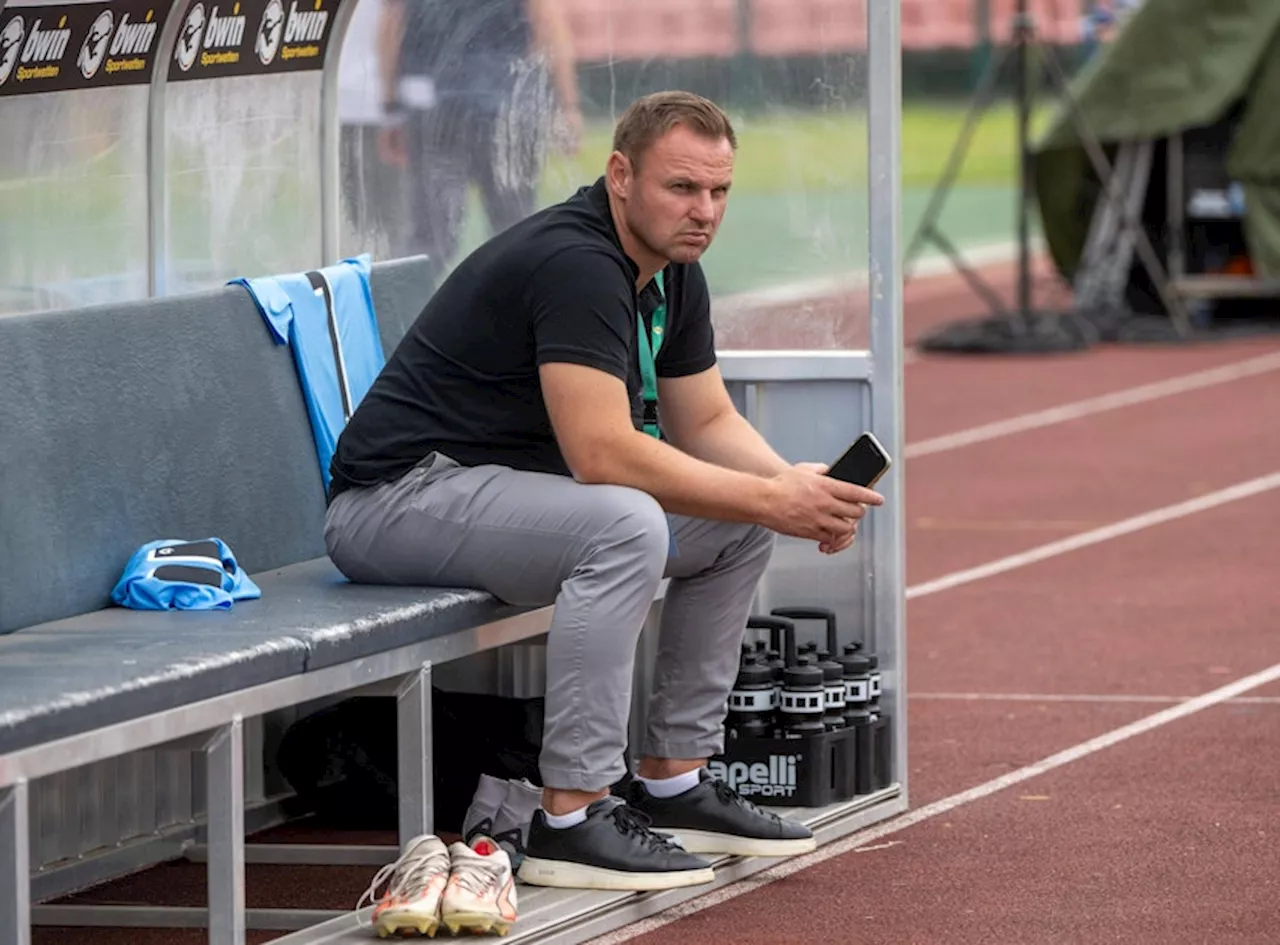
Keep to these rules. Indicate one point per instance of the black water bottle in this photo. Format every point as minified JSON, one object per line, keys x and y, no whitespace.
{"x":882,"y":749}
{"x":800,"y":709}
{"x":778,"y":629}
{"x":856,"y":671}
{"x":832,"y":671}
{"x":859,"y":717}
{"x":753,"y":701}
{"x":833,"y":692}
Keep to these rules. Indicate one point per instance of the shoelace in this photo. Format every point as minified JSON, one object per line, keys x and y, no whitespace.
{"x":414,"y":877}
{"x":631,"y":822}
{"x":478,"y":877}
{"x":728,"y":795}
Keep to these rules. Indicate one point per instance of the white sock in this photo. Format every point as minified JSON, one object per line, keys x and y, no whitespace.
{"x":571,"y":819}
{"x":670,"y":787}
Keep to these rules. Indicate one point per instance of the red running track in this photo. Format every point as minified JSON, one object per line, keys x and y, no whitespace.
{"x":1166,"y":838}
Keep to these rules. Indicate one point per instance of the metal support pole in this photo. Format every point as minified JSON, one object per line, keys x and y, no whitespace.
{"x":884,"y":144}
{"x":330,"y":146}
{"x":413,"y":755}
{"x":15,"y":866}
{"x":224,"y":774}
{"x":157,"y":158}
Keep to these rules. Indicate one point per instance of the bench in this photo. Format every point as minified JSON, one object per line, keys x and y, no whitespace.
{"x":180,"y":418}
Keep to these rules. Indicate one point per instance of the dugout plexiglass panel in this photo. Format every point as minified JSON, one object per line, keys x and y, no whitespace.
{"x":73,"y":186}
{"x":487,"y":129}
{"x":243,"y":178}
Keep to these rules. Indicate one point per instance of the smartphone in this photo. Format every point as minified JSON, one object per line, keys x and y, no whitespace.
{"x":863,"y":463}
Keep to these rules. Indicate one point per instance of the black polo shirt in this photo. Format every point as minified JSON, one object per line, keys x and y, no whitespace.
{"x":555,"y":287}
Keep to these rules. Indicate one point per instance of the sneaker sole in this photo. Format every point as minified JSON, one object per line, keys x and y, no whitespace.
{"x":564,"y":875}
{"x":706,"y":841}
{"x":477,"y":922}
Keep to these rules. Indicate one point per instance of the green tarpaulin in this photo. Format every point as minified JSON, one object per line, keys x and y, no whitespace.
{"x":1176,"y":65}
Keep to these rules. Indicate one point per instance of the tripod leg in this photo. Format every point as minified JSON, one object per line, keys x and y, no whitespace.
{"x":983,"y":96}
{"x":1102,"y":167}
{"x":976,"y":282}
{"x":1023,"y":36}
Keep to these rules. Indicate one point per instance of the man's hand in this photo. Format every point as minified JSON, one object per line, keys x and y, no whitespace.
{"x":812,"y":505}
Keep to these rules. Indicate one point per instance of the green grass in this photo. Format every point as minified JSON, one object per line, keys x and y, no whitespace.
{"x":789,"y":152}
{"x":798,"y":210}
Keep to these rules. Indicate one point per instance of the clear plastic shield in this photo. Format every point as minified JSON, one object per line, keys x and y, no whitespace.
{"x":456,"y":124}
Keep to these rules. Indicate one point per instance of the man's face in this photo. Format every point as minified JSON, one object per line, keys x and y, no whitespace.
{"x":676,"y":198}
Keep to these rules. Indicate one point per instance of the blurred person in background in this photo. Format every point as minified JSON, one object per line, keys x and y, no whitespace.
{"x":372,"y":187}
{"x":476,"y":88}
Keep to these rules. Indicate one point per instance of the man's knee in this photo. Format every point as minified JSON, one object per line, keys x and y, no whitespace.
{"x":633,"y":520}
{"x":756,"y":544}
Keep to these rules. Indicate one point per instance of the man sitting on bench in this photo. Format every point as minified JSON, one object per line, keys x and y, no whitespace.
{"x":513,"y":443}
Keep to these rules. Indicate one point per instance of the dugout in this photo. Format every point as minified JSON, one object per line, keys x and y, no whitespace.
{"x":155,"y":150}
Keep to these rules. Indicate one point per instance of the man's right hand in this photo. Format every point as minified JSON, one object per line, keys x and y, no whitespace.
{"x":809,"y":504}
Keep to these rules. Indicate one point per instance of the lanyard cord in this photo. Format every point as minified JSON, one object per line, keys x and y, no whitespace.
{"x":648,"y":345}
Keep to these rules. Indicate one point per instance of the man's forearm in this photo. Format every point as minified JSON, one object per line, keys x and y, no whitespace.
{"x":683,"y":484}
{"x":730,"y":441}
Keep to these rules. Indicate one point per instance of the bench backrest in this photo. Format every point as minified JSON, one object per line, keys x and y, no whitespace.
{"x":167,"y":418}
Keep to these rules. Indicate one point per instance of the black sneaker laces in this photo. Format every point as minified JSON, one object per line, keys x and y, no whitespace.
{"x":728,"y":795}
{"x":632,"y":823}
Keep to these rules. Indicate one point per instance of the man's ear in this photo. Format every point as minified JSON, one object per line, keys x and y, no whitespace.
{"x":618,"y":174}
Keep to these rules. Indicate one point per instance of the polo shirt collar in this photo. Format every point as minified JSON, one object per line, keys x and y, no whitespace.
{"x":598,"y":200}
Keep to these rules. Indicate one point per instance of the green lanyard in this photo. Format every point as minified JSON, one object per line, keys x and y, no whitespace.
{"x":648,"y":344}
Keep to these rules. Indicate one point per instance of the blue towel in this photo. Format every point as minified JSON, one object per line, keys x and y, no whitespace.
{"x":326,"y":316}
{"x":174,"y":574}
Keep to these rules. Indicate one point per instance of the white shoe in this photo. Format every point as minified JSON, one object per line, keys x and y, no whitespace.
{"x":416,"y":884}
{"x":481,"y":893}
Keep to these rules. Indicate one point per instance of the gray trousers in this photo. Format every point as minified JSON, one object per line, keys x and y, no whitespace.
{"x":599,"y":554}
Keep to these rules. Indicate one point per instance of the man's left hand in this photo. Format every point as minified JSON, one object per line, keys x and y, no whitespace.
{"x":841,"y":542}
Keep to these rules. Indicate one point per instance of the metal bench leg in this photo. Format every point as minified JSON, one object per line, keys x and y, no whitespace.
{"x":413,"y":755}
{"x":225,"y":777}
{"x":15,"y":866}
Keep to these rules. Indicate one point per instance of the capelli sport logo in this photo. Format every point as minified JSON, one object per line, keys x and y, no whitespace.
{"x":11,"y":47}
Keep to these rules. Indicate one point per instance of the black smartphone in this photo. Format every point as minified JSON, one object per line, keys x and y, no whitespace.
{"x":863,"y":463}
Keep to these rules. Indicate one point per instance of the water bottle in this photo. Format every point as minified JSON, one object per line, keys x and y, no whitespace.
{"x":753,"y":701}
{"x":779,"y":629}
{"x":832,"y":671}
{"x":801,"y":706}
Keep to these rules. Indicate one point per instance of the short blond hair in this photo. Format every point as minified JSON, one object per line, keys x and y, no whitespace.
{"x":649,"y":118}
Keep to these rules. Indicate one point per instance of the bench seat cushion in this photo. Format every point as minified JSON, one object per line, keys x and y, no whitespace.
{"x":74,"y":675}
{"x":340,"y":621}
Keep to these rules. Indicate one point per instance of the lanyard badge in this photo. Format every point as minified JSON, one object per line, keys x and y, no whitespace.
{"x":648,"y":344}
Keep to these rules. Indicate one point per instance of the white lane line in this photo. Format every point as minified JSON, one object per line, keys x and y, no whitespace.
{"x":1128,"y":526}
{"x":1143,"y":393}
{"x":1136,"y":698}
{"x":946,"y":805}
